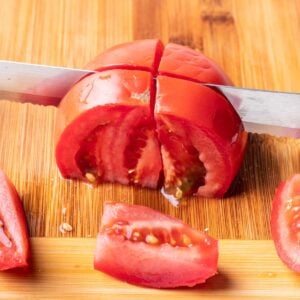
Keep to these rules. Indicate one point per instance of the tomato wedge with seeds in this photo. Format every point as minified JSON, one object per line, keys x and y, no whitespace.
{"x":14,"y":241}
{"x":201,"y":153}
{"x":105,"y":128}
{"x":285,"y":222}
{"x":145,"y":119}
{"x":144,"y":247}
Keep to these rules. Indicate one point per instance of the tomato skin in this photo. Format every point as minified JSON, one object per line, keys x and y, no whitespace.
{"x":215,"y":130}
{"x":138,"y":55}
{"x":285,"y":214}
{"x":158,"y":266}
{"x":183,"y":62}
{"x":14,"y":227}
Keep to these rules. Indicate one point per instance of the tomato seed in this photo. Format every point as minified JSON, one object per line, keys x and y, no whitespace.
{"x":90,"y":177}
{"x":151,"y":239}
{"x":65,"y":227}
{"x":136,"y":236}
{"x":172,"y":242}
{"x":178,"y":193}
{"x":186,"y":240}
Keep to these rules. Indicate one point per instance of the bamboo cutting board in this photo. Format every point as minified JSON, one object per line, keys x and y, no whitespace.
{"x":256,"y":42}
{"x":55,"y":275}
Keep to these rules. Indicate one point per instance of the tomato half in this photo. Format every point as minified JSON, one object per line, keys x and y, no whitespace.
{"x":285,"y":222}
{"x":14,"y":242}
{"x":145,"y":119}
{"x":144,"y":247}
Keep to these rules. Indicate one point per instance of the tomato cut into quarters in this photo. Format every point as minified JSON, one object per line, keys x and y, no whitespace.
{"x":146,"y":119}
{"x":285,"y":222}
{"x":144,"y":247}
{"x":14,"y":242}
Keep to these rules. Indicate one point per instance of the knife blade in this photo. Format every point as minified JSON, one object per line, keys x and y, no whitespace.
{"x":272,"y":112}
{"x":37,"y":84}
{"x":261,"y":111}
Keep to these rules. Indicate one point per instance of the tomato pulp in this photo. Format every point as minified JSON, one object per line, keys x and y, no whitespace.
{"x":144,"y":247}
{"x":285,"y":222}
{"x":145,"y":118}
{"x":14,"y":241}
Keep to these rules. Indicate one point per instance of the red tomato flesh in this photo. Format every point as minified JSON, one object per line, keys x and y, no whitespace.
{"x":109,"y":129}
{"x":144,"y":247}
{"x":14,"y":242}
{"x":285,"y":222}
{"x":146,"y":119}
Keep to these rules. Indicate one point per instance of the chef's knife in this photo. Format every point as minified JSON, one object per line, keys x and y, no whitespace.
{"x":276,"y":113}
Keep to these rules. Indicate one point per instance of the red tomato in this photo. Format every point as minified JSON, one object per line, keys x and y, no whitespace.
{"x":145,"y":116}
{"x":183,"y":62}
{"x":285,"y":222}
{"x":14,"y":243}
{"x":140,"y":55}
{"x":145,"y":247}
{"x":107,"y":131}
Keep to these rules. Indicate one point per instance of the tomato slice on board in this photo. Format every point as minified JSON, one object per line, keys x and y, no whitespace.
{"x":14,"y":241}
{"x":285,"y":222}
{"x":144,"y":247}
{"x":119,"y":125}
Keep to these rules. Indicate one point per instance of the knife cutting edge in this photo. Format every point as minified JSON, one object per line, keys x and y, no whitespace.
{"x":272,"y":112}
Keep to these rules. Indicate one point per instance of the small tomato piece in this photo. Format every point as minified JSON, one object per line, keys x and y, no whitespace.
{"x":14,"y":241}
{"x":144,"y":247}
{"x":285,"y":222}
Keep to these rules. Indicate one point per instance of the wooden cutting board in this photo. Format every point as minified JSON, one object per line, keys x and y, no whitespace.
{"x":63,"y":268}
{"x":256,"y":42}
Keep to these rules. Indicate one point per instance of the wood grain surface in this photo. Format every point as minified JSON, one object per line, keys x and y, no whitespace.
{"x":55,"y":275}
{"x":257,"y":44}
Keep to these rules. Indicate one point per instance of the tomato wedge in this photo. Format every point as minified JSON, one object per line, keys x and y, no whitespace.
{"x":285,"y":222}
{"x":144,"y":247}
{"x":145,"y":119}
{"x":14,"y":241}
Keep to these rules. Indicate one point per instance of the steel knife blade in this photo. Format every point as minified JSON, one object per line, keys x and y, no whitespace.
{"x":271,"y":112}
{"x":37,"y":84}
